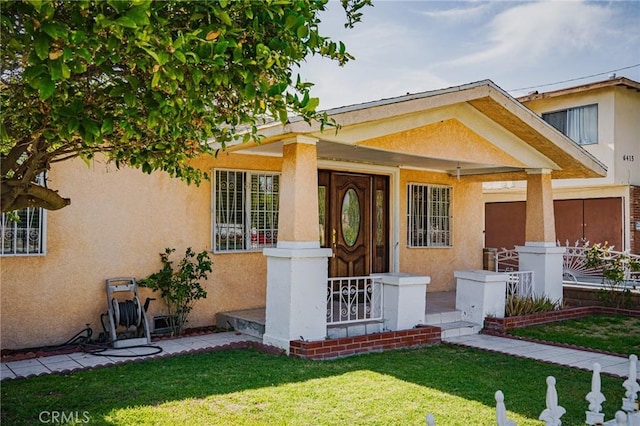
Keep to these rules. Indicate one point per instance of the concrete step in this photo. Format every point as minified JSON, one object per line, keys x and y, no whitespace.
{"x":250,"y":321}
{"x":437,"y":318}
{"x":458,"y":328}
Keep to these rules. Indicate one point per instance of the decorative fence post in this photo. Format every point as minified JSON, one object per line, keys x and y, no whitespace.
{"x":501,"y":411}
{"x":430,"y":420}
{"x":551,"y":415}
{"x":630,"y":403}
{"x":595,"y":398}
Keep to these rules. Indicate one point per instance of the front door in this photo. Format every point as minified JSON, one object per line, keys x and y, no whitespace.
{"x":354,"y":222}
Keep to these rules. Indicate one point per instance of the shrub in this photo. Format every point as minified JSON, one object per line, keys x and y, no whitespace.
{"x":180,"y":288}
{"x":519,"y":305}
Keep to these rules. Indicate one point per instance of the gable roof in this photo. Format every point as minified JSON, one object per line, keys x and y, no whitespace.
{"x":482,"y":108}
{"x":612,"y":82}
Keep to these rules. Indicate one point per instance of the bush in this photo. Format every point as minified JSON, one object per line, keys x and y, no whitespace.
{"x":180,"y":288}
{"x":519,"y":305}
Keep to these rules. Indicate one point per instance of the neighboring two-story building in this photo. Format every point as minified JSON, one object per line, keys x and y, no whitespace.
{"x":604,"y":118}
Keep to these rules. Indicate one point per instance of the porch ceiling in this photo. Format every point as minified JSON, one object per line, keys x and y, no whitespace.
{"x":338,"y":151}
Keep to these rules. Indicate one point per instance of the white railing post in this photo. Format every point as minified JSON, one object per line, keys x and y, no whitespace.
{"x":595,"y":398}
{"x":431,"y":421}
{"x":551,"y":415}
{"x":630,"y":402}
{"x":501,"y":411}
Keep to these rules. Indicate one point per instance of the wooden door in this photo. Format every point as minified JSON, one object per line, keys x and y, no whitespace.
{"x":354,"y":222}
{"x":350,"y":225}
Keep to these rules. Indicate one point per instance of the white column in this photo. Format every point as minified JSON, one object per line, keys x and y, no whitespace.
{"x":480,"y":294}
{"x":540,"y":253}
{"x":297,"y":269}
{"x":404,"y":297}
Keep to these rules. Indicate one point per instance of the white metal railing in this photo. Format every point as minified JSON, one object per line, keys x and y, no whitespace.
{"x":576,"y":271}
{"x":574,"y":266}
{"x":507,"y":260}
{"x":353,"y":300}
{"x":520,"y":283}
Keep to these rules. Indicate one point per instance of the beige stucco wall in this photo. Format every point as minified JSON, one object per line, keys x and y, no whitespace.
{"x":467,"y":225}
{"x":117,"y":223}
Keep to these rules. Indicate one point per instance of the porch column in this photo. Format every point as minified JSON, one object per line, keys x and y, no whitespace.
{"x":540,"y":253}
{"x":297,"y":268}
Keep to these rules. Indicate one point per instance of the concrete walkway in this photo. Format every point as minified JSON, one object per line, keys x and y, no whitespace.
{"x":82,"y":360}
{"x":611,"y":365}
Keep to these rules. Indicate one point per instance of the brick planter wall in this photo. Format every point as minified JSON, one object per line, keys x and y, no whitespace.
{"x":502,"y":325}
{"x":346,"y":346}
{"x":577,"y":297}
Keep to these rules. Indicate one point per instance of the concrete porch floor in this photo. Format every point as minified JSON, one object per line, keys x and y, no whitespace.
{"x":252,"y":321}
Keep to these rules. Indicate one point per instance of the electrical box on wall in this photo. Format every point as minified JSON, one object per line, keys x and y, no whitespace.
{"x":637,"y":225}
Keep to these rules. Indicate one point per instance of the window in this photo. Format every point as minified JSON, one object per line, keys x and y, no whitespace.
{"x":580,"y":124}
{"x":23,"y":234}
{"x":245,"y":210}
{"x":428,"y":218}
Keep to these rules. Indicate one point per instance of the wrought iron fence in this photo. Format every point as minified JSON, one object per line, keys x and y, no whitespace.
{"x":353,"y":300}
{"x":574,"y":268}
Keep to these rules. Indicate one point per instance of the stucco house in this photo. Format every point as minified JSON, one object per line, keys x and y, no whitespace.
{"x":603,"y":118}
{"x":397,"y":190}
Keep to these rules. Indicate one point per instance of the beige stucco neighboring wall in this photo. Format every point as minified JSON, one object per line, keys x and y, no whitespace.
{"x":117,"y":223}
{"x":467,"y":225}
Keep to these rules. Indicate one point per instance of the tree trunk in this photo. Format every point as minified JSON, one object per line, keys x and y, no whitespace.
{"x":15,"y":195}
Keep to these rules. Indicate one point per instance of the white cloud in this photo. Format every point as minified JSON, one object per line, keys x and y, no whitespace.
{"x":528,"y":32}
{"x":458,"y":14}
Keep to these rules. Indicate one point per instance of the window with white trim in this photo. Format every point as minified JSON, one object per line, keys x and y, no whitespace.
{"x":579,"y":124}
{"x":22,"y":232}
{"x":428,"y":215}
{"x":245,"y":212}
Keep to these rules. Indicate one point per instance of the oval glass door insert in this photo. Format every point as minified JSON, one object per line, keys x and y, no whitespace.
{"x":350,"y":217}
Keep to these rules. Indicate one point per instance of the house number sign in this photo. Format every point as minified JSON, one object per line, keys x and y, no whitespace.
{"x":628,"y":157}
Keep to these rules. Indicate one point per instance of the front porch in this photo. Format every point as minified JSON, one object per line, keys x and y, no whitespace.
{"x":440,"y":312}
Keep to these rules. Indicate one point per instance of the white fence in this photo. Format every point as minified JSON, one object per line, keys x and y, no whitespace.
{"x":574,"y":267}
{"x":552,"y":414}
{"x":520,"y":283}
{"x":353,"y":300}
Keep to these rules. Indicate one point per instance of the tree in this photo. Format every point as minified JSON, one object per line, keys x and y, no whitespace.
{"x":147,"y":83}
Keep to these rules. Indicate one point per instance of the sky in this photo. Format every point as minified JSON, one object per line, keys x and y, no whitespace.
{"x":415,"y":46}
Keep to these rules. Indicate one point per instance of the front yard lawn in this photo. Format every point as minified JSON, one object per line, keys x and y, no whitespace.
{"x":612,"y":333}
{"x":247,"y":387}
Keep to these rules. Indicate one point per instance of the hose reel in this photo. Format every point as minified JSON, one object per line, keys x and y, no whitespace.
{"x":126,"y":315}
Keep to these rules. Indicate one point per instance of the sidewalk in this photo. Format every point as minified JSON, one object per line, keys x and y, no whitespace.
{"x":575,"y":358}
{"x":611,"y":365}
{"x":82,"y":360}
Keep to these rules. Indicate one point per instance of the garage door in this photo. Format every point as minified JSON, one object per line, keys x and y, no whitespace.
{"x":596,"y":220}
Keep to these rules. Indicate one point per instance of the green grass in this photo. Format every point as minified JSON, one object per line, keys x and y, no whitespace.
{"x":247,"y":387}
{"x":613,"y":333}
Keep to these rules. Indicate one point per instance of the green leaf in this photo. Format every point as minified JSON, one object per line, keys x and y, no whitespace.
{"x":223,"y":16}
{"x":312,"y":104}
{"x":180,"y":56}
{"x":107,"y":126}
{"x":90,"y":127}
{"x":155,"y":80}
{"x":50,"y":29}
{"x":41,"y":45}
{"x":46,"y":88}
{"x":125,"y":21}
{"x":138,"y":15}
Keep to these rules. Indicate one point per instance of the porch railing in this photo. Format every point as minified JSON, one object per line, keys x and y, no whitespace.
{"x":520,"y":283}
{"x":353,"y":300}
{"x":574,"y":268}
